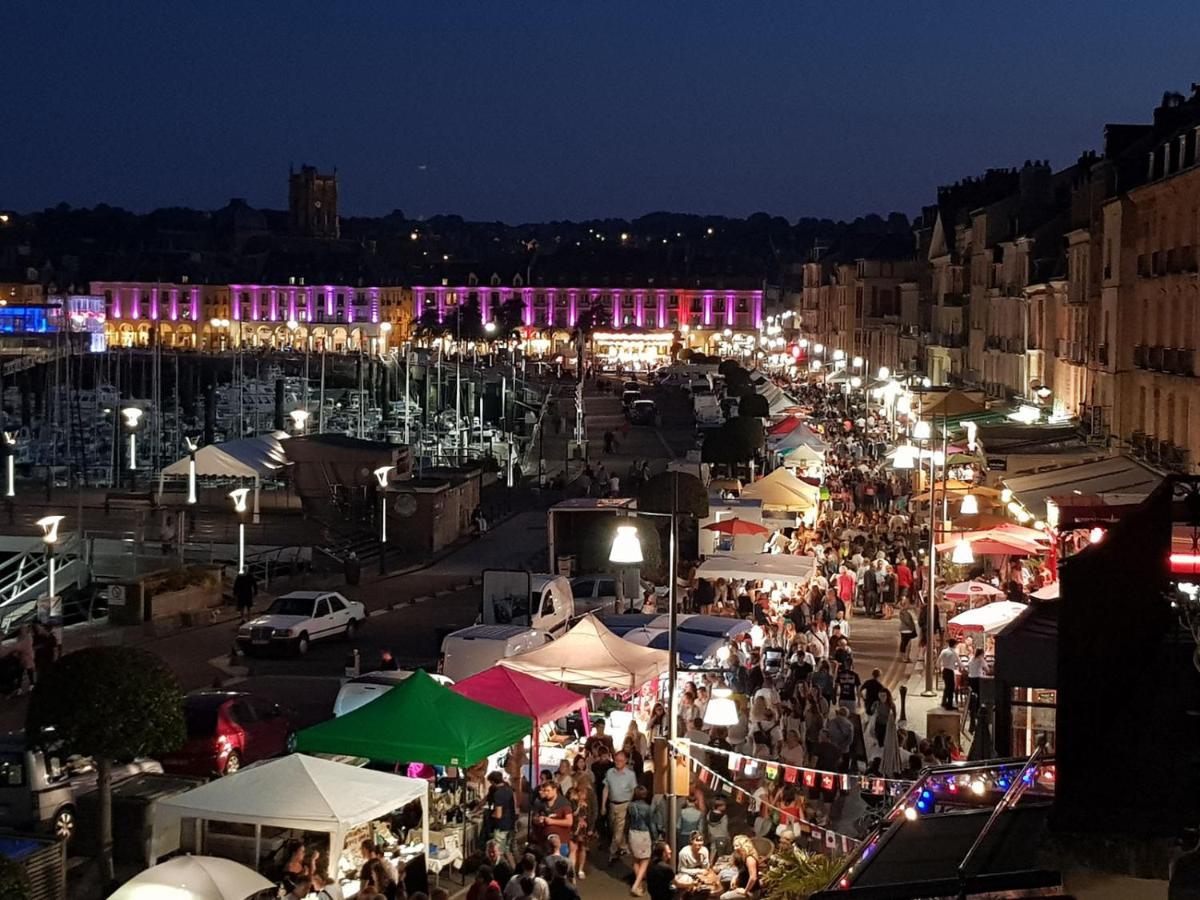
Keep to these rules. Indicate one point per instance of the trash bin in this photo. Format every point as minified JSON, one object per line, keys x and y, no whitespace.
{"x":352,"y":569}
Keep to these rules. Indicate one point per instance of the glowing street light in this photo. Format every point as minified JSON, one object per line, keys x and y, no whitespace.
{"x":922,"y":430}
{"x":132,"y":415}
{"x":884,"y":373}
{"x":381,"y":475}
{"x":238,"y":497}
{"x":192,"y":447}
{"x":49,"y":526}
{"x":970,"y":506}
{"x":839,"y":355}
{"x":299,"y":419}
{"x":10,"y":458}
{"x":857,"y":362}
{"x":963,"y":555}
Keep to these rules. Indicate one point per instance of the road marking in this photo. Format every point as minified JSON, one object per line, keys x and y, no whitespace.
{"x":377,"y":612}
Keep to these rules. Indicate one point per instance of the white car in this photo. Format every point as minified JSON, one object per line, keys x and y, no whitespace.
{"x":293,"y":621}
{"x":362,"y":690}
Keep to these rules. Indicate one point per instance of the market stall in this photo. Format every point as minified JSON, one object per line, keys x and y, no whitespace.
{"x":591,"y":655}
{"x":294,"y":795}
{"x":781,"y":490}
{"x":989,"y":619}
{"x":769,"y":566}
{"x":694,"y":650}
{"x":418,"y":721}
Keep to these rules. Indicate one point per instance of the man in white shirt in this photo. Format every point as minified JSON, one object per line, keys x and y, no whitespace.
{"x":976,"y":672}
{"x":694,"y":858}
{"x":949,"y":663}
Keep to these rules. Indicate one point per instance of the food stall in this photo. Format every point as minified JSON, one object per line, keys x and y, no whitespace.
{"x":294,"y":796}
{"x":532,"y":698}
{"x":420,"y":721}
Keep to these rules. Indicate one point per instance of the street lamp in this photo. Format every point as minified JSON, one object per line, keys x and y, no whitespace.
{"x":722,"y":711}
{"x":489,"y":327}
{"x":10,"y":454}
{"x":963,"y":555}
{"x":839,"y":355}
{"x":970,"y":506}
{"x":49,"y":526}
{"x":238,"y":497}
{"x":884,"y":373}
{"x":627,"y":551}
{"x":192,"y":447}
{"x":818,"y":349}
{"x":857,"y":362}
{"x":381,"y":475}
{"x":299,"y":419}
{"x":922,"y":430}
{"x":132,"y":416}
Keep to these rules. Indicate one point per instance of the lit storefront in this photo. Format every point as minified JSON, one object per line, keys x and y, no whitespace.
{"x":632,"y":351}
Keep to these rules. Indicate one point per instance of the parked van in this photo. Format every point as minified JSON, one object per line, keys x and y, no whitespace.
{"x":39,"y":790}
{"x":361,"y":690}
{"x":536,"y":600}
{"x":470,"y":650}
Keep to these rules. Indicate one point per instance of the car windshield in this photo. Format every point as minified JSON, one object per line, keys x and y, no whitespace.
{"x":201,"y":721}
{"x":291,"y":606}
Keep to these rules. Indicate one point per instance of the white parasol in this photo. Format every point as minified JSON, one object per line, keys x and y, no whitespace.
{"x":194,"y":878}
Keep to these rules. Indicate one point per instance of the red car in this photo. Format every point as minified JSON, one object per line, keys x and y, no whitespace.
{"x":226,"y":729}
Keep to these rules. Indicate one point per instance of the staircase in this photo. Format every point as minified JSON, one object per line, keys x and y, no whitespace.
{"x":26,"y":577}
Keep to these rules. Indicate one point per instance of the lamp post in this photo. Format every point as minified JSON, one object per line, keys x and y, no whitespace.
{"x":192,"y":447}
{"x":132,"y":415}
{"x":627,"y":551}
{"x":381,"y":475}
{"x":239,"y":506}
{"x":49,"y":526}
{"x":10,"y":461}
{"x":299,"y":419}
{"x":923,"y":433}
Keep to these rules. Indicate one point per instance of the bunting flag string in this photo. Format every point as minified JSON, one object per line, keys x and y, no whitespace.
{"x":820,"y":836}
{"x":752,"y":767}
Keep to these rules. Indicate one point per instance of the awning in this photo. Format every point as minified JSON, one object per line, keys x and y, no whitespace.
{"x":783,"y":490}
{"x":296,"y":791}
{"x":258,"y":457}
{"x":589,"y":654}
{"x":418,"y":720}
{"x":1027,"y":648}
{"x":1115,"y":475}
{"x":522,"y":694}
{"x":772,"y":566}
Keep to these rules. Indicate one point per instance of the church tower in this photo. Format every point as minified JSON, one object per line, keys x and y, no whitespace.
{"x":312,"y":203}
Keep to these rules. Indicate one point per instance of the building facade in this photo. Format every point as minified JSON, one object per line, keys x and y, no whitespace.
{"x":186,"y":316}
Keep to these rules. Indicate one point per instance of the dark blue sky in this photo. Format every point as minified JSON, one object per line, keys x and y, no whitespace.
{"x":570,"y":109}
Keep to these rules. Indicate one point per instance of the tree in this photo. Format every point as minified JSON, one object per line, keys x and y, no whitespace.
{"x":108,"y":703}
{"x":690,"y":501}
{"x":737,"y":380}
{"x":733,"y":443}
{"x":657,"y":494}
{"x":754,"y":405}
{"x":799,"y":874}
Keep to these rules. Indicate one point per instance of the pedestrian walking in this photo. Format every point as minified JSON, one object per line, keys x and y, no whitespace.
{"x":245,"y":586}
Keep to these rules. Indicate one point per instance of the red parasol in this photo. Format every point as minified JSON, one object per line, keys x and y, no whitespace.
{"x":737,"y":526}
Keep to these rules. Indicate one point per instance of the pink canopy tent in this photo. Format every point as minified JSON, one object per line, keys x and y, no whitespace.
{"x":525,"y":695}
{"x":522,"y":694}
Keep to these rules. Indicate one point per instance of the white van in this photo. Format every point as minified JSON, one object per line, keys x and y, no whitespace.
{"x":541,"y":601}
{"x":362,"y":689}
{"x":471,"y":650}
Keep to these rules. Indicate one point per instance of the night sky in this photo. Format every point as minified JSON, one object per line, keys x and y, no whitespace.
{"x":571,"y":109}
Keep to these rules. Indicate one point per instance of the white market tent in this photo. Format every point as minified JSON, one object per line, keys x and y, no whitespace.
{"x":591,"y":655}
{"x":783,"y":490}
{"x":773,"y":566}
{"x":802,"y":456}
{"x":297,"y":791}
{"x":255,"y":458}
{"x":989,"y":619}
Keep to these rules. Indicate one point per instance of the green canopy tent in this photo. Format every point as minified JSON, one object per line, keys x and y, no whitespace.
{"x":418,"y":720}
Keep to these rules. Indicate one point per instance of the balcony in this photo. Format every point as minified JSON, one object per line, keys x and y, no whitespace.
{"x":1154,"y":359}
{"x":1102,"y":354}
